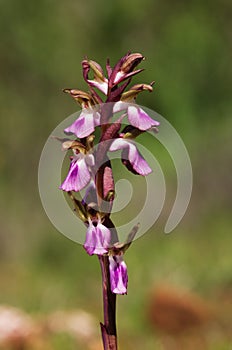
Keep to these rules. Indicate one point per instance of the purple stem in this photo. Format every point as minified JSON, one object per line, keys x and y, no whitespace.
{"x":108,"y":329}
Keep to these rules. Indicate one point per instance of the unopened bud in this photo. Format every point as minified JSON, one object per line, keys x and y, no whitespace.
{"x":97,"y":69}
{"x":83,"y":98}
{"x":124,"y":69}
{"x":76,"y":145}
{"x":131,"y":62}
{"x":131,"y":94}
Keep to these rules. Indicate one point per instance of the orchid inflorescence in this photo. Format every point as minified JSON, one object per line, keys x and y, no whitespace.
{"x":90,"y":166}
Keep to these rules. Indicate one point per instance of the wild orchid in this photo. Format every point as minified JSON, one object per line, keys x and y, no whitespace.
{"x":90,"y":167}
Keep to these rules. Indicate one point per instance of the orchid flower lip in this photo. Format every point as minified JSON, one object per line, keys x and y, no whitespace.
{"x":85,"y":124}
{"x":131,"y":156}
{"x":136,"y":115}
{"x":98,"y":238}
{"x":79,"y":174}
{"x":118,"y":274}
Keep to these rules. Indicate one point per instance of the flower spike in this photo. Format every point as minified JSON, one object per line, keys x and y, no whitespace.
{"x":91,"y":173}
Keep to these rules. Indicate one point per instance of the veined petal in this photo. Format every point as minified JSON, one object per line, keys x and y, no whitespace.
{"x":119,"y":75}
{"x":90,"y":160}
{"x":78,"y":176}
{"x":119,"y":106}
{"x":131,"y":154}
{"x":118,"y":274}
{"x":100,"y":85}
{"x":90,"y":240}
{"x":70,"y":183}
{"x":97,"y":239}
{"x":104,"y":236}
{"x":90,"y":197}
{"x":140,"y":119}
{"x":83,"y":175}
{"x":85,"y":124}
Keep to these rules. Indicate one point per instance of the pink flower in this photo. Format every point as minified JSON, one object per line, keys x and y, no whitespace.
{"x":85,"y":124}
{"x":131,"y":156}
{"x":97,"y":238}
{"x":79,"y":174}
{"x":118,"y":274}
{"x":136,"y":115}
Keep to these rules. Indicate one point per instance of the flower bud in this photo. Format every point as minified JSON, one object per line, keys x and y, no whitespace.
{"x":83,"y":98}
{"x":100,"y":82}
{"x":131,"y":94}
{"x":124,"y":69}
{"x":97,"y":69}
{"x":131,"y":62}
{"x":75,"y":145}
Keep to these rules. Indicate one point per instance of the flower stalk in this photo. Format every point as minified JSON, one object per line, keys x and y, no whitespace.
{"x":108,"y":329}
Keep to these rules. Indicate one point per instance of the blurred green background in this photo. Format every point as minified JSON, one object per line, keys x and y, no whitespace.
{"x":188,"y":49}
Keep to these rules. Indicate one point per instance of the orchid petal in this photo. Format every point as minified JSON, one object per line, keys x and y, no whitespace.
{"x":118,"y":274}
{"x":78,"y":176}
{"x":90,"y":197}
{"x":83,"y":175}
{"x":131,"y":154}
{"x":70,"y":183}
{"x":90,"y":160}
{"x":97,"y":239}
{"x":119,"y":75}
{"x":119,"y":106}
{"x":100,"y":85}
{"x":140,"y":119}
{"x":85,"y":124}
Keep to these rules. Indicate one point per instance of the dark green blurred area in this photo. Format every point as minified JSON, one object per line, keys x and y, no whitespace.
{"x":188,"y":49}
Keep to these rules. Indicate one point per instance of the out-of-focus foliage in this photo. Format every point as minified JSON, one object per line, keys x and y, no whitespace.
{"x":188,"y":48}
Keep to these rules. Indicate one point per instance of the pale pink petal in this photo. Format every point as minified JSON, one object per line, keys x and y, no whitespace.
{"x":119,"y":75}
{"x":90,"y":160}
{"x":90,"y":197}
{"x":120,"y":106}
{"x":100,"y":85}
{"x":78,"y":176}
{"x":140,"y":119}
{"x":104,"y":236}
{"x":85,"y":124}
{"x":97,"y":239}
{"x":70,"y":183}
{"x":83,"y":175}
{"x":131,"y":154}
{"x":90,"y":240}
{"x":118,"y":274}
